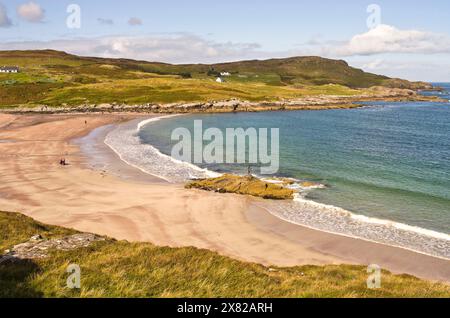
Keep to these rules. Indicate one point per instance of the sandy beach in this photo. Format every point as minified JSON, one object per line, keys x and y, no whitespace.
{"x":124,"y":203}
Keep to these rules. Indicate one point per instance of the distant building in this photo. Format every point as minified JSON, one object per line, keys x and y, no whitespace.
{"x":225,"y":74}
{"x":9,"y":69}
{"x":219,"y":80}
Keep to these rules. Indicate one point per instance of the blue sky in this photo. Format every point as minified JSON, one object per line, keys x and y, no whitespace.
{"x":413,"y":40}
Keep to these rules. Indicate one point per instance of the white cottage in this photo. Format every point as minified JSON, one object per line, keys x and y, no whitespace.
{"x":219,"y":80}
{"x":9,"y":69}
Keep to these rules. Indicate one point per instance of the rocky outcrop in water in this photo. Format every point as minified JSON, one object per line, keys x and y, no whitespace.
{"x":247,"y":185}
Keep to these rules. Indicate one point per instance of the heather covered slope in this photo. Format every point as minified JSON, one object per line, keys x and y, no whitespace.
{"x":56,"y":78}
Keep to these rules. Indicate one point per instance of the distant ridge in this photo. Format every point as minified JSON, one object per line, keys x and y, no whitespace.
{"x":306,"y":70}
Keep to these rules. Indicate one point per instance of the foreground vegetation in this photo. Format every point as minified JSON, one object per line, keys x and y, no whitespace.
{"x":121,"y":269}
{"x":55,"y":78}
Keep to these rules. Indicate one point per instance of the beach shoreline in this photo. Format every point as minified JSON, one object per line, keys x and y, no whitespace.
{"x":125,"y":203}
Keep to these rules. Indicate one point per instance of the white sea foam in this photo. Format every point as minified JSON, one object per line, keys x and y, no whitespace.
{"x":339,"y":221}
{"x":366,"y":219}
{"x":124,"y":140}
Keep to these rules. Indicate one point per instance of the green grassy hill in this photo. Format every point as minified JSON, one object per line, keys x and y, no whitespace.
{"x":121,"y":269}
{"x":54,"y":78}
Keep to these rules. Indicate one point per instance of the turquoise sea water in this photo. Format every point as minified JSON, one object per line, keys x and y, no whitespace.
{"x":386,"y":161}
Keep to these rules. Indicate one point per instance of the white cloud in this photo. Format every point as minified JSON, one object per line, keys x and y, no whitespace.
{"x":172,"y":48}
{"x":31,"y":12}
{"x":373,"y":65}
{"x":134,"y":21}
{"x":386,"y":39}
{"x":105,"y":21}
{"x":4,"y":19}
{"x":414,"y":68}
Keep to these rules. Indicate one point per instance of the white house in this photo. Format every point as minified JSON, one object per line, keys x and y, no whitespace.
{"x":225,"y":74}
{"x":9,"y":69}
{"x":219,"y":80}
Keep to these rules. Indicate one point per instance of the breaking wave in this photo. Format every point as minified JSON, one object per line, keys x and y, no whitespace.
{"x":335,"y":220}
{"x":126,"y":143}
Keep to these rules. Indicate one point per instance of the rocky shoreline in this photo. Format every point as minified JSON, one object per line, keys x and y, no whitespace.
{"x":39,"y":247}
{"x":235,"y":105}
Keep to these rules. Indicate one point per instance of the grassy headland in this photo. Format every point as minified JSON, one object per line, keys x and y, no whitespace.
{"x":55,"y":78}
{"x":120,"y":269}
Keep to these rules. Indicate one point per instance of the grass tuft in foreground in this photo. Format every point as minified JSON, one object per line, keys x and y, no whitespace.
{"x":121,"y":269}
